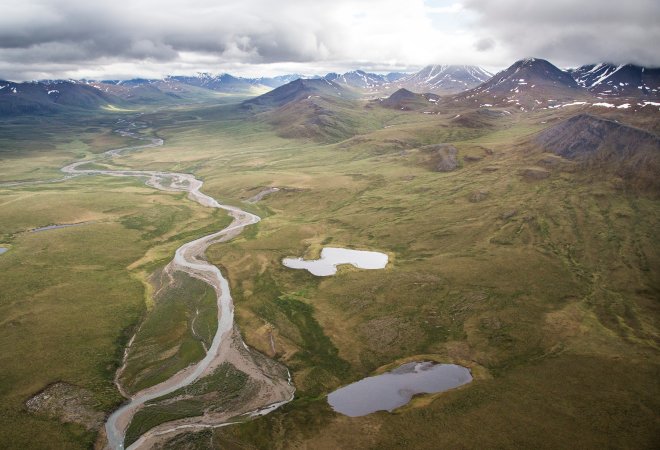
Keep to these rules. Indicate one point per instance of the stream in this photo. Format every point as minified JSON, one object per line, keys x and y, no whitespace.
{"x":188,"y":258}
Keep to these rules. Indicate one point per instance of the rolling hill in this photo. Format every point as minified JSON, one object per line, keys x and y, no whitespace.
{"x":406,"y":100}
{"x":300,"y":89}
{"x":607,"y":147}
{"x":315,"y":109}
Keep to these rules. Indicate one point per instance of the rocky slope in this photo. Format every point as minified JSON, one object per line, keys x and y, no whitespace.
{"x":609,"y":80}
{"x":528,"y":84}
{"x":406,"y":100}
{"x":597,"y":143}
{"x":50,"y":96}
{"x":444,"y":79}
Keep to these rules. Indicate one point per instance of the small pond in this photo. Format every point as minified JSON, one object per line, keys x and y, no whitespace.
{"x":393,"y":389}
{"x":331,"y":257}
{"x":55,"y":227}
{"x":3,"y":249}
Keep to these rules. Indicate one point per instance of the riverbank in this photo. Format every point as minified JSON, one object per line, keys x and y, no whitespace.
{"x":189,"y":258}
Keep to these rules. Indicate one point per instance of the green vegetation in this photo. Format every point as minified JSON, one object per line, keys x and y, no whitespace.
{"x":174,"y":334}
{"x":548,"y":286}
{"x":527,"y":281}
{"x":33,"y":148}
{"x":221,"y":390}
{"x":71,"y":298}
{"x":317,"y":353}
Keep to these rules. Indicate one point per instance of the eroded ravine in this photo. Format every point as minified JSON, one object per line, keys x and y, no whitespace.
{"x":227,"y":345}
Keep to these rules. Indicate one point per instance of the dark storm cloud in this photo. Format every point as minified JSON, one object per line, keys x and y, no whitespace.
{"x":40,"y":34}
{"x":571,"y":32}
{"x":484,"y":44}
{"x":82,"y":38}
{"x":253,"y":31}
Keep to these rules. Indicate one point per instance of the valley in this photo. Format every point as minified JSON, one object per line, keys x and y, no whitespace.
{"x":517,"y":219}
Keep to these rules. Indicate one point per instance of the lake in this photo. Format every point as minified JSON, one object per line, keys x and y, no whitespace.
{"x":394,"y":389}
{"x":331,"y":257}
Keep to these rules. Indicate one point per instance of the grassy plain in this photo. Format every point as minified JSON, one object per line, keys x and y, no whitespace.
{"x":175,"y":333}
{"x":34,"y":148}
{"x":226,"y":386}
{"x":549,"y":286}
{"x":70,"y":298}
{"x":546,"y":287}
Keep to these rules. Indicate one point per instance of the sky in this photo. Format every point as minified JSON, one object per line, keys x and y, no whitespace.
{"x":121,"y":39}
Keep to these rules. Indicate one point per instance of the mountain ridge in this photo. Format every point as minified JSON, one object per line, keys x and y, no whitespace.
{"x":445,"y":79}
{"x":50,"y":97}
{"x":596,"y":142}
{"x":529,"y":83}
{"x":609,"y":80}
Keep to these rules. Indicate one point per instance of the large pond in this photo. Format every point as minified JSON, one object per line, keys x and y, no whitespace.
{"x":331,"y":257}
{"x":393,"y":389}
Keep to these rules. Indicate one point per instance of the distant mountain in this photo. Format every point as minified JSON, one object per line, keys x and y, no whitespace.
{"x":178,"y":88}
{"x":528,"y":73}
{"x":139,"y":90}
{"x":315,"y":109}
{"x":220,"y":83}
{"x":529,"y":83}
{"x":406,"y":100}
{"x":277,"y":81}
{"x":609,"y":80}
{"x":230,"y":84}
{"x":40,"y":97}
{"x":432,"y":79}
{"x":298,"y":90}
{"x":154,"y":92}
{"x":359,"y":79}
{"x":395,"y":76}
{"x":443,"y":79}
{"x":606,"y":145}
{"x":51,"y":96}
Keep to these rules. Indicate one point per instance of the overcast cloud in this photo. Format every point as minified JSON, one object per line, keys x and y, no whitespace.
{"x":151,"y":38}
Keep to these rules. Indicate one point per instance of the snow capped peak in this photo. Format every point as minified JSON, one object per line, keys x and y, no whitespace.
{"x":359,"y":79}
{"x":610,"y":80}
{"x":445,"y":78}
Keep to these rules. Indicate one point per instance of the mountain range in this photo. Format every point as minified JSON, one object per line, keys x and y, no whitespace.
{"x":616,"y":80}
{"x":45,"y":97}
{"x":532,"y":84}
{"x":527,"y":84}
{"x":444,"y":79}
{"x":436,"y":79}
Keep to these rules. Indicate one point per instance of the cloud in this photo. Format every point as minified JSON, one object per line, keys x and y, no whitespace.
{"x":484,"y":44}
{"x":41,"y":33}
{"x":452,"y":8}
{"x":108,"y":38}
{"x":570,"y":32}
